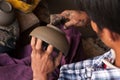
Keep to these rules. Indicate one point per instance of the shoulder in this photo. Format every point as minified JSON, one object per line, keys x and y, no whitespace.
{"x":92,"y":62}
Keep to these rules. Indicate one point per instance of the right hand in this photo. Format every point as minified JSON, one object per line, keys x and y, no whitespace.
{"x":42,"y":62}
{"x":76,"y":18}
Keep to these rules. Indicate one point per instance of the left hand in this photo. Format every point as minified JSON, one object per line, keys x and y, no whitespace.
{"x":42,"y":62}
{"x":76,"y":18}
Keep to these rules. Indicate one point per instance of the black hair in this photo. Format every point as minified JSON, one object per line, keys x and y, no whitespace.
{"x":106,"y":13}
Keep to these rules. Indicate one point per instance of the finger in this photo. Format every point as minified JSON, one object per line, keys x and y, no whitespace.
{"x":58,"y":59}
{"x":66,"y":13}
{"x":38,"y":45}
{"x":33,"y":42}
{"x":80,"y":23}
{"x":69,"y":24}
{"x":49,"y":49}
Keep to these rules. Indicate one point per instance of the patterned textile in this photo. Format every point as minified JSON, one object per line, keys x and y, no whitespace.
{"x":91,"y":69}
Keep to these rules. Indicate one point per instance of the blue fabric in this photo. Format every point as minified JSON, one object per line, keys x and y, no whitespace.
{"x":91,"y":69}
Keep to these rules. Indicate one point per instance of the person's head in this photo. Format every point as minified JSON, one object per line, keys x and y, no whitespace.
{"x":105,"y":18}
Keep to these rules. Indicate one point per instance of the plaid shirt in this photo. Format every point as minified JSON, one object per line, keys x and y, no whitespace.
{"x":91,"y":69}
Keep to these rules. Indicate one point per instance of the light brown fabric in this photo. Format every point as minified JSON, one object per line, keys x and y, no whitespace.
{"x":26,"y":20}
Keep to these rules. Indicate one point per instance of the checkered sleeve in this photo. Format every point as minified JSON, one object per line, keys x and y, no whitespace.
{"x":75,"y":71}
{"x":107,"y":74}
{"x":89,"y":70}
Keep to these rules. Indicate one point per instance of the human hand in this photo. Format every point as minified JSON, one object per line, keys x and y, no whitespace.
{"x":41,"y":61}
{"x":76,"y":18}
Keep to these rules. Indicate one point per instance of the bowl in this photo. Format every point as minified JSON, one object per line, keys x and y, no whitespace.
{"x":52,"y":35}
{"x":7,"y":15}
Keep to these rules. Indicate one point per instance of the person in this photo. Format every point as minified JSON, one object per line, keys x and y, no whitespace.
{"x":15,"y":64}
{"x":105,"y":21}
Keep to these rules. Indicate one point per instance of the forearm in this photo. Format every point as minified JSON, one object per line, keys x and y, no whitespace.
{"x":40,"y":77}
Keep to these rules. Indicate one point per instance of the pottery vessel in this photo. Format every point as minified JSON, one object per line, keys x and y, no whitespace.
{"x":7,"y":15}
{"x":9,"y":27}
{"x":52,"y":35}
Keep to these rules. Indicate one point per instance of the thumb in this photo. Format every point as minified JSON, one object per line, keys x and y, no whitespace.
{"x":69,"y":23}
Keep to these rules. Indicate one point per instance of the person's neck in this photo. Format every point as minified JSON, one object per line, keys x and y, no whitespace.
{"x":117,"y":58}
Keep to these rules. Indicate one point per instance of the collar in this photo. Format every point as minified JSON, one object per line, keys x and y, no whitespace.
{"x":108,"y":62}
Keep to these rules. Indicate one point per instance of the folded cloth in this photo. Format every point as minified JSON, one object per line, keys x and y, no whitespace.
{"x":14,"y":69}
